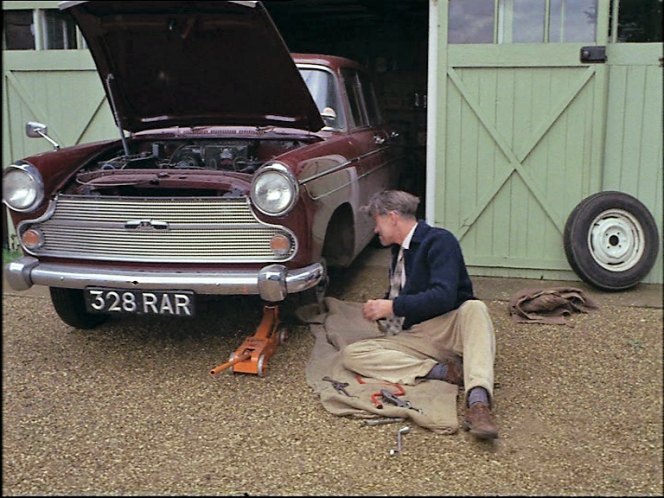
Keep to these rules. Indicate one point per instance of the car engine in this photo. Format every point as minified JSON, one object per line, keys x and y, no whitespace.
{"x":177,"y":167}
{"x":242,"y":156}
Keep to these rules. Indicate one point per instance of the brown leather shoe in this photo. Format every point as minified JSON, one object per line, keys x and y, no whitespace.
{"x":479,"y":421}
{"x":454,"y":370}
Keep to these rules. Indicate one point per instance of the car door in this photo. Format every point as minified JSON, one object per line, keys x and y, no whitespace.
{"x":370,"y":140}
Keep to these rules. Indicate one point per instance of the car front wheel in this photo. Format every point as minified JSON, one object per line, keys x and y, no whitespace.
{"x":69,"y":304}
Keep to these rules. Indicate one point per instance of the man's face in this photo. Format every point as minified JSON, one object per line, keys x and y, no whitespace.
{"x":386,"y":227}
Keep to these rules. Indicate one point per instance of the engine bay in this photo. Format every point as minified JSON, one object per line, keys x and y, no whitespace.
{"x":238,"y":155}
{"x":178,"y":167}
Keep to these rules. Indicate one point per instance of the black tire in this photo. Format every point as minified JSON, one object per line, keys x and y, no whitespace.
{"x":611,"y":240}
{"x":69,"y":304}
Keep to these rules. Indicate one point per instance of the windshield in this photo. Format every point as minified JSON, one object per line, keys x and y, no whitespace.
{"x":323,"y":90}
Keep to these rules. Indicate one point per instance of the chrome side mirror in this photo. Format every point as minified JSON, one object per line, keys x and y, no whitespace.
{"x":329,"y":116}
{"x":329,"y":113}
{"x":34,"y":129}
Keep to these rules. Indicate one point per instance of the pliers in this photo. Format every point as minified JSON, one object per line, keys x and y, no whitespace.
{"x":340,"y":387}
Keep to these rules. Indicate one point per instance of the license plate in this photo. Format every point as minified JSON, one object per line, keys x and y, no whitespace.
{"x":175,"y":303}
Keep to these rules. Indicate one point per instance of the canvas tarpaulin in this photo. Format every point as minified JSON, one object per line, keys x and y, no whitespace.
{"x":341,"y":323}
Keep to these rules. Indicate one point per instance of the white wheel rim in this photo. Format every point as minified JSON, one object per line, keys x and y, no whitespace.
{"x":616,"y":240}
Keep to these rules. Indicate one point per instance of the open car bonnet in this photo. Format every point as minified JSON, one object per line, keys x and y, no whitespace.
{"x":200,"y":63}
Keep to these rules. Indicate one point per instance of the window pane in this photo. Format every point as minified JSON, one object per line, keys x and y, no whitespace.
{"x":640,"y":21}
{"x":528,"y":21}
{"x":370,"y":100}
{"x":470,"y":21}
{"x":354,"y":98}
{"x":573,"y":21}
{"x":17,"y":30}
{"x":60,"y":30}
{"x":323,"y":90}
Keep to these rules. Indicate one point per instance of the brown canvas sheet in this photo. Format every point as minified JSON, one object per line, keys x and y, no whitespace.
{"x":342,"y":323}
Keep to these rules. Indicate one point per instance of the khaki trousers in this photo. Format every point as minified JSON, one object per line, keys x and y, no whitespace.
{"x":402,"y":358}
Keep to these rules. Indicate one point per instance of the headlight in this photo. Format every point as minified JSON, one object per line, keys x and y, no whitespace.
{"x":22,"y":187}
{"x":274,"y":190}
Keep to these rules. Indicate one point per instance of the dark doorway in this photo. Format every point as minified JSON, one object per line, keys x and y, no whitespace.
{"x":390,"y":38}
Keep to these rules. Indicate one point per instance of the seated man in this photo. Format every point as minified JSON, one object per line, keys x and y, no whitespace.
{"x":430,"y":317}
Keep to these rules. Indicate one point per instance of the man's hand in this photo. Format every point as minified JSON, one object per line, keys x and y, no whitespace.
{"x":375,"y":309}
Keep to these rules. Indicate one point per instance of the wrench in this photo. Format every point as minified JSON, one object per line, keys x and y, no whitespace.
{"x":384,"y":420}
{"x":393,"y":400}
{"x":404,"y":430}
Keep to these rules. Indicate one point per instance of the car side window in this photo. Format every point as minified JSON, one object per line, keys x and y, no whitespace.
{"x":321,"y":85}
{"x":355,"y":100}
{"x":370,"y":101}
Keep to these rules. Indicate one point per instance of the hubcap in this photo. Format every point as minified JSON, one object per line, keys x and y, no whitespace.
{"x":616,"y":240}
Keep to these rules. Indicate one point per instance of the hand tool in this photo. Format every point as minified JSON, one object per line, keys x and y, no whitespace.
{"x":394,"y":400}
{"x":404,"y":430}
{"x":375,"y":397}
{"x":340,"y":387}
{"x":383,"y":420}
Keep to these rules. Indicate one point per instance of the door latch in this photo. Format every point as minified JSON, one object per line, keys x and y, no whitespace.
{"x":596,"y":54}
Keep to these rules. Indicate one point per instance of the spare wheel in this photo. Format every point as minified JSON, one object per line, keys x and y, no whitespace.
{"x":611,"y":240}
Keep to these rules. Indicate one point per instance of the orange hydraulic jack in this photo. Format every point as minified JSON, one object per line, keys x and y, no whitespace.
{"x":252,"y":356}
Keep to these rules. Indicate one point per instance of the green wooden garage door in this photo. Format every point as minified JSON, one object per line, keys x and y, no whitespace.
{"x":59,"y":88}
{"x":519,"y":129}
{"x":633,"y":145}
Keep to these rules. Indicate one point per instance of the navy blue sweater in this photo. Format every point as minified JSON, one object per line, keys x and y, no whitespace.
{"x":437,"y":280}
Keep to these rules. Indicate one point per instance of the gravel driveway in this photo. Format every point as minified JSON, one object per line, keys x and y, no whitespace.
{"x":130,"y":408}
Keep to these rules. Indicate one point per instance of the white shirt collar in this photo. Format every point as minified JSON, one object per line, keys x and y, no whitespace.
{"x":409,"y":237}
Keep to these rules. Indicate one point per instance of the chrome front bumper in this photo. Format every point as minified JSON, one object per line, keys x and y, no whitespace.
{"x":273,"y":282}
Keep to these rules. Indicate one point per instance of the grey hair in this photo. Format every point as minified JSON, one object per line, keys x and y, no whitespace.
{"x":383,"y":202}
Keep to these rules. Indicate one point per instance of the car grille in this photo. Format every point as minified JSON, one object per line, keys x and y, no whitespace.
{"x":179,"y":230}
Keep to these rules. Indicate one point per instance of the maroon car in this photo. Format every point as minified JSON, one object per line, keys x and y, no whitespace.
{"x":242,"y":172}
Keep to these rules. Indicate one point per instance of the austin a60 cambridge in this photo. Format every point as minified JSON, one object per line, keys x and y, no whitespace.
{"x":239,"y":169}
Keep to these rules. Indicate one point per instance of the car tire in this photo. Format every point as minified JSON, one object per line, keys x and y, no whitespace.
{"x":611,"y":240}
{"x":69,"y":304}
